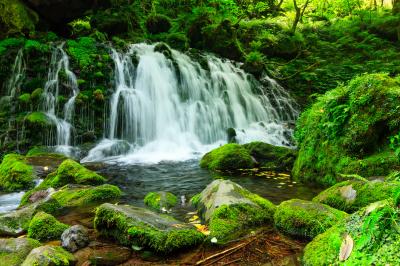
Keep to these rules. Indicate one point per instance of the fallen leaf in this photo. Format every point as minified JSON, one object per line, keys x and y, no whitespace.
{"x":194,"y":218}
{"x":202,"y":229}
{"x":346,"y":248}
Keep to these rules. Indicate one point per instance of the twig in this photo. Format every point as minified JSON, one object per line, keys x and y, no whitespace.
{"x":232,"y":261}
{"x":222,"y":253}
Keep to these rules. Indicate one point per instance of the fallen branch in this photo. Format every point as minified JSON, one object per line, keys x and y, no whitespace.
{"x":235,"y":248}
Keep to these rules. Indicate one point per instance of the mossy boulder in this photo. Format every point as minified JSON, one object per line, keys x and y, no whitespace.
{"x":229,"y":157}
{"x":375,"y":234}
{"x":352,"y":195}
{"x":160,"y":200}
{"x":346,"y":131}
{"x":231,"y":210}
{"x":44,"y":227}
{"x":140,"y":227}
{"x":49,"y":256}
{"x":16,"y":222}
{"x":38,"y":120}
{"x":16,"y":18}
{"x":13,"y":251}
{"x":272,"y":157}
{"x":71,"y":197}
{"x":307,"y":219}
{"x":15,"y":173}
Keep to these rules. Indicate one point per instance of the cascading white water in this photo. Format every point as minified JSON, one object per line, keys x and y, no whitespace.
{"x":172,"y":108}
{"x":17,"y":75}
{"x":60,"y":64}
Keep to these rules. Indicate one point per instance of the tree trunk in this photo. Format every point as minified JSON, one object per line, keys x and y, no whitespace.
{"x":396,"y":7}
{"x":299,"y":14}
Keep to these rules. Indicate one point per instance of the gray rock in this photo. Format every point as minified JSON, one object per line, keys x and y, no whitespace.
{"x":49,"y":256}
{"x":75,"y":238}
{"x":16,"y":222}
{"x":13,"y":251}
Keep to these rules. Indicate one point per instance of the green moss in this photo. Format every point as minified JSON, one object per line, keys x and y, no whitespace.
{"x":140,"y":227}
{"x":45,"y":227}
{"x":16,"y":18}
{"x":82,"y":50}
{"x":37,"y":94}
{"x":346,"y":131}
{"x":15,"y":173}
{"x":38,"y":119}
{"x":365,"y":192}
{"x":229,"y":157}
{"x":305,"y":218}
{"x":374,"y":230}
{"x":13,"y":251}
{"x":159,"y":200}
{"x":195,"y":199}
{"x":24,"y":98}
{"x":44,"y":151}
{"x":49,"y":256}
{"x":33,"y":45}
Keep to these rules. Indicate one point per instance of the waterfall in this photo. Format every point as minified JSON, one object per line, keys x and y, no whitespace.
{"x":17,"y":75}
{"x":166,"y":106}
{"x":60,"y":64}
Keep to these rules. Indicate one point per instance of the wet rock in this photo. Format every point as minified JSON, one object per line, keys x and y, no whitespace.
{"x":16,"y":223}
{"x":40,"y":195}
{"x":161,"y":201}
{"x":140,"y":227}
{"x":303,"y":218}
{"x":231,"y":210}
{"x":13,"y":251}
{"x":49,"y":256}
{"x":45,"y":227}
{"x":352,"y":195}
{"x":75,"y":238}
{"x":103,"y":254}
{"x":15,"y":173}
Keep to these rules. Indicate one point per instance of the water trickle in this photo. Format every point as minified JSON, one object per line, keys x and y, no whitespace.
{"x":173,"y":108}
{"x":17,"y":75}
{"x":59,"y":65}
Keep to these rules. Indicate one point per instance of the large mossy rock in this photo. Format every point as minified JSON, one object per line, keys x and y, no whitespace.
{"x":16,"y":18}
{"x":230,"y":157}
{"x":160,"y":200}
{"x":71,"y":197}
{"x":13,"y":251}
{"x":272,"y":157}
{"x":231,"y":210}
{"x":49,"y":256}
{"x":346,"y":131}
{"x":374,"y":231}
{"x":307,"y":219}
{"x":16,"y":223}
{"x":45,"y":227}
{"x":140,"y":227}
{"x":352,"y":195}
{"x":15,"y":173}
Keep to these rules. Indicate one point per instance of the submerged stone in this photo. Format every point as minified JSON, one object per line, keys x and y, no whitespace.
{"x":352,"y":195}
{"x":15,"y":173}
{"x":303,"y":218}
{"x":140,"y":227}
{"x":375,"y":236}
{"x":49,"y":256}
{"x":13,"y":251}
{"x":230,"y":209}
{"x":45,"y":227}
{"x":160,"y":200}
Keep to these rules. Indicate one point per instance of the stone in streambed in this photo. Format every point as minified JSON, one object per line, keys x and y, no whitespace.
{"x":103,"y":254}
{"x":45,"y":227}
{"x":15,"y":173}
{"x":160,"y":200}
{"x":49,"y":256}
{"x":231,"y":210}
{"x":16,"y":223}
{"x":75,"y":238}
{"x":140,"y":227}
{"x":13,"y":251}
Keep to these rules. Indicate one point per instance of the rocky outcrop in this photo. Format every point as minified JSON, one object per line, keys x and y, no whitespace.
{"x":140,"y":227}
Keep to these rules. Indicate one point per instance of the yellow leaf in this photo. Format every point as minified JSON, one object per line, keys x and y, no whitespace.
{"x":194,"y":218}
{"x":346,"y":248}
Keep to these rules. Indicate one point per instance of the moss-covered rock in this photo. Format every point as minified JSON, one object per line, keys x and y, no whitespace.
{"x":160,"y":200}
{"x":16,"y":18}
{"x":16,"y":222}
{"x":229,"y":157}
{"x":38,"y":120}
{"x":15,"y":173}
{"x":346,"y":131}
{"x":374,"y":231}
{"x":143,"y":228}
{"x":352,"y":195}
{"x":305,"y":218}
{"x":231,"y":210}
{"x":13,"y":251}
{"x":272,"y":157}
{"x":45,"y":227}
{"x":49,"y":256}
{"x":75,"y":196}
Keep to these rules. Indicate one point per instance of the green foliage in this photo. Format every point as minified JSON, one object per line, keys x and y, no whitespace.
{"x":10,"y":43}
{"x":229,"y":157}
{"x":159,"y":200}
{"x":375,"y":232}
{"x":80,"y":26}
{"x":16,"y":18}
{"x":15,"y":173}
{"x":346,"y":130}
{"x":156,"y":24}
{"x":366,"y":192}
{"x":305,"y":218}
{"x":32,"y":45}
{"x":82,"y":50}
{"x":45,"y":227}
